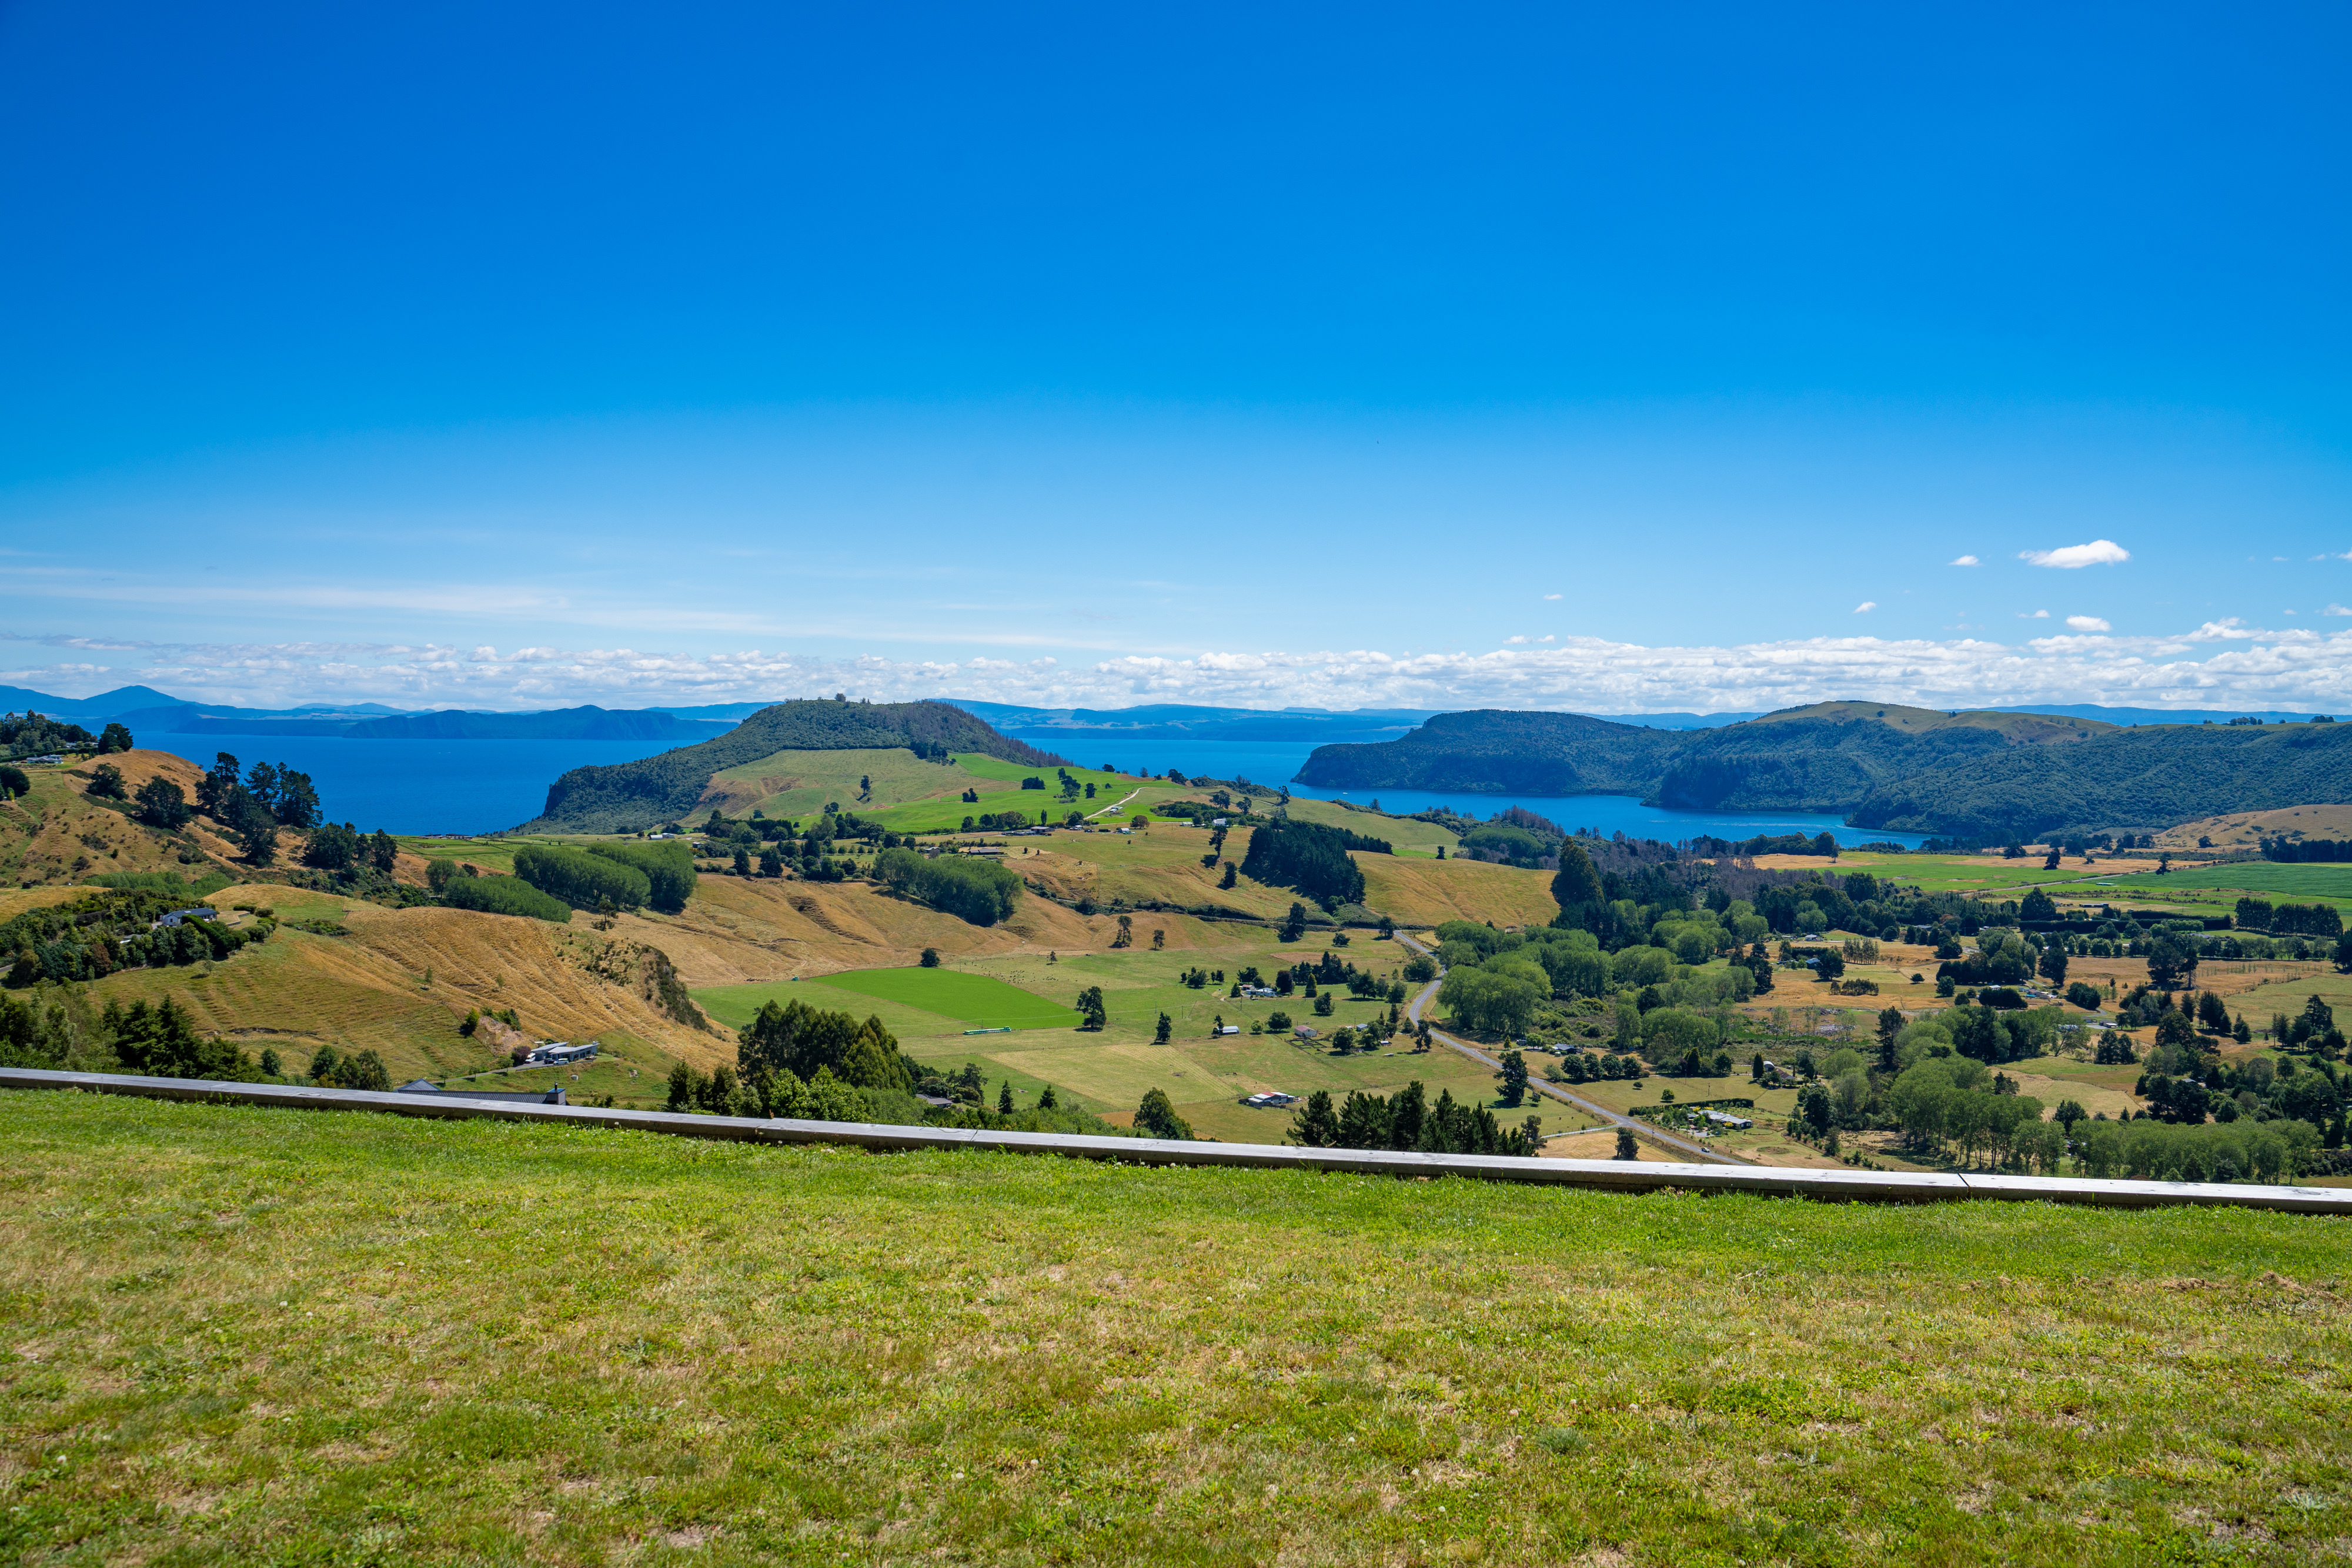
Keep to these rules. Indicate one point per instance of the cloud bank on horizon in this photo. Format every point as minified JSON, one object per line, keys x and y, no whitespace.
{"x":2219,"y":663}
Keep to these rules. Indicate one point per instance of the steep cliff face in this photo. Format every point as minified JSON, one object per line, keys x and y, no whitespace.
{"x":631,"y":795}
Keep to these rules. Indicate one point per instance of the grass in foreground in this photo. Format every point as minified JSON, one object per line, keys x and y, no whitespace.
{"x":250,"y":1335}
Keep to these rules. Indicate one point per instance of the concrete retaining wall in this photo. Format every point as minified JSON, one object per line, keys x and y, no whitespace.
{"x":1625,"y":1175}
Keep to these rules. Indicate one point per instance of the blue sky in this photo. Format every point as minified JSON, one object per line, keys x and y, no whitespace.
{"x":1614,"y":360}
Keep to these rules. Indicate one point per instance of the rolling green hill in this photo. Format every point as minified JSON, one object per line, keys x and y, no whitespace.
{"x":633,"y":795}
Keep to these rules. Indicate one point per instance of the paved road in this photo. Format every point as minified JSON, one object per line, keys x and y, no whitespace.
{"x":1680,"y":1146}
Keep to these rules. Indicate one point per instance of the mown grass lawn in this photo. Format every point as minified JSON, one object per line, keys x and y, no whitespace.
{"x":239,"y":1335}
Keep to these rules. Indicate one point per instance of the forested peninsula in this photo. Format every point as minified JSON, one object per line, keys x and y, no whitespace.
{"x":1986,"y":776}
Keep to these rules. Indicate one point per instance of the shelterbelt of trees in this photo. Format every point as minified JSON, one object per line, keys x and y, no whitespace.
{"x":1981,"y":778}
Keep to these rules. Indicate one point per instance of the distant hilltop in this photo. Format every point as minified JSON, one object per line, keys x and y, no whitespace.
{"x":628,"y":796}
{"x":1982,"y":774}
{"x":143,"y":709}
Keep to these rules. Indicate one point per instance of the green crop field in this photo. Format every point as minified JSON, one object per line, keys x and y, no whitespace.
{"x":975,"y":1000}
{"x":1989,"y":874}
{"x":236,"y":1336}
{"x":2304,"y":883}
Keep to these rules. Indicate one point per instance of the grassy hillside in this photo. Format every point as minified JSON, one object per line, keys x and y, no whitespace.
{"x":240,"y":1335}
{"x":629,"y":796}
{"x":400,"y":981}
{"x":60,"y":833}
{"x":2245,"y":829}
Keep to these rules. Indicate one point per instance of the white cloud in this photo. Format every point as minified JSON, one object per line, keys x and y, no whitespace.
{"x":2088,"y":623}
{"x":1963,"y":560}
{"x":1551,"y":596}
{"x":2221,"y":663}
{"x":1865,"y":607}
{"x":2034,"y":616}
{"x":2336,"y":609}
{"x":1548,"y":637}
{"x":1519,"y":639}
{"x":2098,"y":553}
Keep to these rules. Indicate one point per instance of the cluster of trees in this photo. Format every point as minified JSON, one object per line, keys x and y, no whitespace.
{"x":360,"y":1070}
{"x":346,"y":849}
{"x":973,"y":889}
{"x":800,"y":1039}
{"x":2146,"y":1150}
{"x":1958,"y":1100}
{"x":581,"y":880}
{"x":251,"y":807}
{"x":2315,"y":1027}
{"x":1593,"y":1066}
{"x":2184,"y":1083}
{"x":998,"y":823}
{"x":158,"y":1041}
{"x":36,"y":734}
{"x":90,"y":937}
{"x":2289,"y":919}
{"x":1821,"y":843}
{"x":1406,"y":1120}
{"x":1156,"y":1117}
{"x":1937,"y":1082}
{"x":1620,"y":902}
{"x":461,"y":889}
{"x":723,"y":1091}
{"x":2007,"y":958}
{"x":2302,"y":851}
{"x":1310,"y":858}
{"x":1496,"y":981}
{"x":161,"y":1042}
{"x":1509,"y":842}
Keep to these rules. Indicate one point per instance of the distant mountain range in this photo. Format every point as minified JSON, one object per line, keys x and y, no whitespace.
{"x":146,"y":711}
{"x":1985,"y":774}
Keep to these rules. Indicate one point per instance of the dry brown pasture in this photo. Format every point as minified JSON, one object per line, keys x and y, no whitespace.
{"x":399,"y":981}
{"x":2237,"y":830}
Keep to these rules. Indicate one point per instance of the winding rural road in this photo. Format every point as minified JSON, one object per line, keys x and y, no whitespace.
{"x":1614,"y":1118}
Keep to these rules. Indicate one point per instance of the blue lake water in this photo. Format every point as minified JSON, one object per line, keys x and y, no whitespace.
{"x":418,"y":786}
{"x":483,"y":786}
